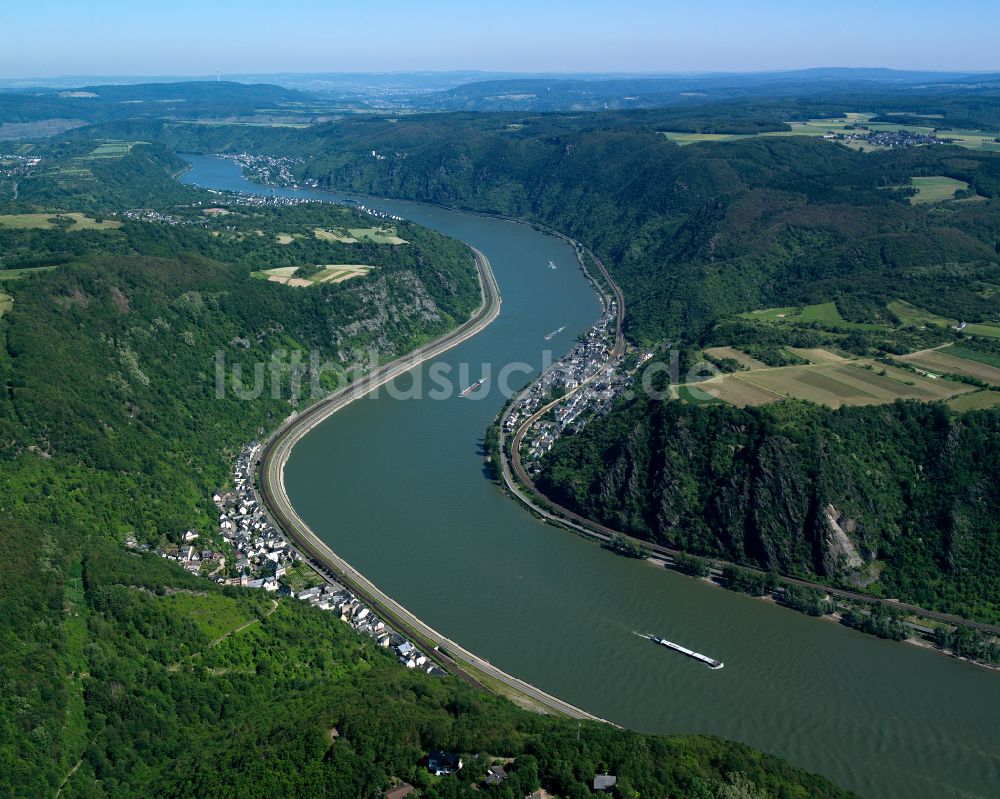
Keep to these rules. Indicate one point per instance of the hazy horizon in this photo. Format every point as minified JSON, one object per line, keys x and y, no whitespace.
{"x":306,"y":37}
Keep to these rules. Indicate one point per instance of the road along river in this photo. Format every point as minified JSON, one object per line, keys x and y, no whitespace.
{"x":395,"y":486}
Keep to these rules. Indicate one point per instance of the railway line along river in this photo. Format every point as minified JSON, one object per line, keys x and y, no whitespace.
{"x":396,"y":487}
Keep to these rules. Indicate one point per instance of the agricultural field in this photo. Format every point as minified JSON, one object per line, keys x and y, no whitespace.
{"x":113,"y":149}
{"x":940,"y":361}
{"x":936,"y":189}
{"x":71,"y":222}
{"x":817,"y":355}
{"x":833,"y":384}
{"x":970,"y":139}
{"x":969,"y":354}
{"x":338,"y":273}
{"x":304,"y":276}
{"x":912,"y":315}
{"x":722,"y":353}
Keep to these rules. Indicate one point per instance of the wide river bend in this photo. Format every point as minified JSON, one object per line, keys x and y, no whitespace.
{"x":396,"y":487}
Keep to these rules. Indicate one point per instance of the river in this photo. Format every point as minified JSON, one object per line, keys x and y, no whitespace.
{"x":396,"y":486}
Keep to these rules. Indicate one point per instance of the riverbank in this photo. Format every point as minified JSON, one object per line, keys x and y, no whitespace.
{"x":396,"y":486}
{"x":270,"y":481}
{"x":513,"y":470}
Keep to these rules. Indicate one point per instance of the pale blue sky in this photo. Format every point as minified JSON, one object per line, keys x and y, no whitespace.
{"x":59,"y":37}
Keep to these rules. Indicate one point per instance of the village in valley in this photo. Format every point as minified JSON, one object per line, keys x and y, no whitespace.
{"x":587,"y":380}
{"x":258,"y":556}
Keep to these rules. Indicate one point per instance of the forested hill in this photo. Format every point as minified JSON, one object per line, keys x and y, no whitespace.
{"x":693,"y":234}
{"x":186,"y":100}
{"x":912,"y":487}
{"x":125,"y":676}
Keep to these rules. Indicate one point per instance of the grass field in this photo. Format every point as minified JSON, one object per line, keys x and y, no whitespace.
{"x":942,"y":362}
{"x":18,"y":274}
{"x":742,"y":358}
{"x":6,"y":303}
{"x":832,"y":384}
{"x":936,"y":189}
{"x":113,"y":149}
{"x":975,"y":401}
{"x":330,"y":235}
{"x":379,"y":235}
{"x":284,"y":238}
{"x":912,"y":315}
{"x":213,"y":614}
{"x":825,"y":313}
{"x":76,"y":221}
{"x":681,"y":138}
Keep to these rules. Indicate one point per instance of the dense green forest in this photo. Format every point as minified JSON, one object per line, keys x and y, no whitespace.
{"x":125,"y":676}
{"x":697,"y":236}
{"x":693,"y":234}
{"x":118,"y":677}
{"x":911,"y":486}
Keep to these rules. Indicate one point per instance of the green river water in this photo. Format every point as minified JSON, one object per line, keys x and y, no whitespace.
{"x":396,"y":486}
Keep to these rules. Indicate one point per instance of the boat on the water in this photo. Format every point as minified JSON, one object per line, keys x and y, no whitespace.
{"x":712,"y":663}
{"x":555,"y":333}
{"x":466,"y":391}
{"x":552,"y":265}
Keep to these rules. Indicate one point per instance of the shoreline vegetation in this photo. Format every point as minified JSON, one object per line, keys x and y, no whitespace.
{"x":878,"y":616}
{"x":270,"y":481}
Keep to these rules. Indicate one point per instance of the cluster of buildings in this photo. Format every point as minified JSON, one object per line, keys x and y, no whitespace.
{"x":269,"y":169}
{"x":259,"y":556}
{"x":589,"y":360}
{"x":14,"y":166}
{"x":889,"y":139}
{"x":151,"y":215}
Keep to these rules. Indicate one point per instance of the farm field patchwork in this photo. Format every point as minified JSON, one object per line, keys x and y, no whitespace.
{"x":817,"y":355}
{"x":832,"y":384}
{"x":969,"y":354}
{"x":941,"y":362}
{"x":969,"y":139}
{"x":302,"y":276}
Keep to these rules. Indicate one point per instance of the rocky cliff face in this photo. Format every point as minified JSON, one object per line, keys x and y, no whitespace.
{"x":902,"y":493}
